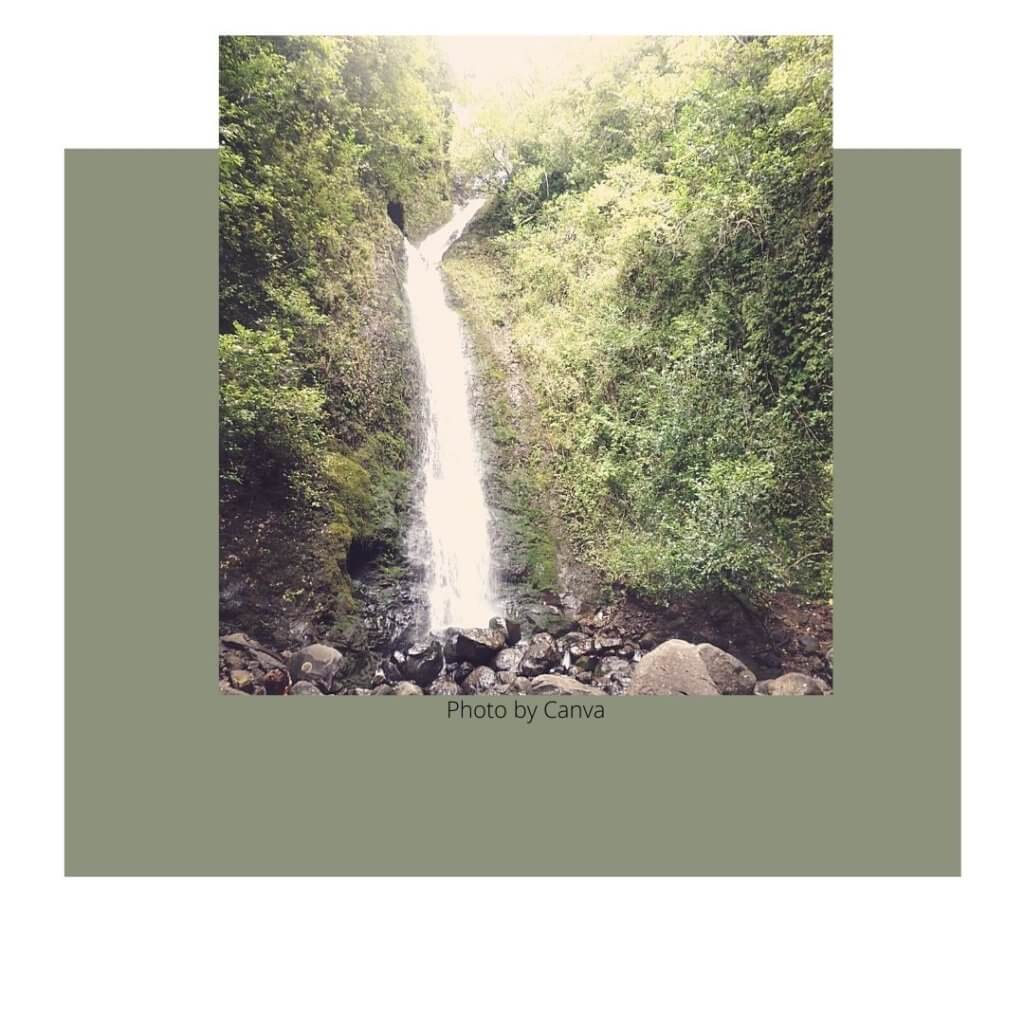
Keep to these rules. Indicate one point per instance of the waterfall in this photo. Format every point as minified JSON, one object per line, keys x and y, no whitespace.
{"x":452,"y":538}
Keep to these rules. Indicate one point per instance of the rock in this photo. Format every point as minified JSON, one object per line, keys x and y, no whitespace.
{"x":729,"y":674}
{"x":792,"y":684}
{"x":544,"y":618}
{"x":408,"y":689}
{"x":318,"y":664}
{"x":230,"y":691}
{"x":275,"y":682}
{"x":507,"y":680}
{"x":513,"y":630}
{"x":445,"y":687}
{"x":267,"y":662}
{"x":461,"y":671}
{"x":480,"y":680}
{"x":606,"y":642}
{"x":475,"y":645}
{"x":648,"y":642}
{"x":561,"y":684}
{"x":232,"y":659}
{"x":241,"y":679}
{"x":384,"y":690}
{"x":507,"y":660}
{"x":424,"y":661}
{"x":541,"y":655}
{"x":611,"y":665}
{"x":674,"y":667}
{"x":304,"y":688}
{"x":392,"y":671}
{"x":236,"y":640}
{"x":808,"y":645}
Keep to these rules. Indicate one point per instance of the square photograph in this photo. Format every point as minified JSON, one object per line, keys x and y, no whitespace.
{"x":525,"y":366}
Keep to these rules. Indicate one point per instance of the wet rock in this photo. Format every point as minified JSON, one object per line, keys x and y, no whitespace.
{"x":241,"y":679}
{"x":513,"y":630}
{"x":275,"y":682}
{"x":445,"y":687}
{"x":674,"y":667}
{"x":545,"y":684}
{"x":317,"y":664}
{"x":729,"y":674}
{"x":613,"y":665}
{"x":507,"y":660}
{"x":541,"y":655}
{"x":475,"y":645}
{"x":792,"y":684}
{"x":462,"y":670}
{"x":393,"y":672}
{"x":424,"y":661}
{"x":236,"y":640}
{"x":406,"y":688}
{"x":480,"y":680}
{"x":304,"y":688}
{"x":604,"y":643}
{"x":545,"y":618}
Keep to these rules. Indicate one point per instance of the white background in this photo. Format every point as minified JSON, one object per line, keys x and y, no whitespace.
{"x":297,"y":950}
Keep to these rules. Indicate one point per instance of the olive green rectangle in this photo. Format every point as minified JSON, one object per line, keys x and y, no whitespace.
{"x":165,"y":776}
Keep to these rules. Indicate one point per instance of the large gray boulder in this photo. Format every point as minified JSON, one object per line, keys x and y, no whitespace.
{"x":674,"y":667}
{"x":792,"y":684}
{"x":541,"y":655}
{"x":729,"y":674}
{"x":475,"y":645}
{"x":317,"y":664}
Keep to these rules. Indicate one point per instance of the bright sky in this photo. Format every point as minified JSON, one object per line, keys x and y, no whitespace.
{"x":486,"y":63}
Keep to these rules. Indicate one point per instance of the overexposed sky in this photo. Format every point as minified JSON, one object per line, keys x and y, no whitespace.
{"x":487,"y":63}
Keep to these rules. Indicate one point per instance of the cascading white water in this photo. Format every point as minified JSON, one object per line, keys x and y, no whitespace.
{"x":453,"y":543}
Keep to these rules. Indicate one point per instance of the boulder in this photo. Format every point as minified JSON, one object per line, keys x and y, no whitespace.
{"x":792,"y":684}
{"x":729,"y":674}
{"x":317,"y":664}
{"x":513,"y":630}
{"x":475,"y":645}
{"x":544,"y":684}
{"x":407,"y":689}
{"x":304,"y":688}
{"x":541,"y":655}
{"x":424,"y":661}
{"x":384,"y":690}
{"x":674,"y":667}
{"x":480,"y":680}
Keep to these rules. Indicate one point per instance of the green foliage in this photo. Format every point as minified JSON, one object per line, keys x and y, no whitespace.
{"x":317,"y":135}
{"x":661,"y":241}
